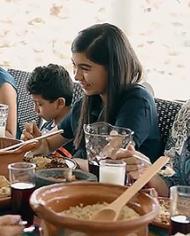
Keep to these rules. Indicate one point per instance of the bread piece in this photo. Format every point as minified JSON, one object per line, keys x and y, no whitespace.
{"x":5,"y":190}
{"x":3,"y":181}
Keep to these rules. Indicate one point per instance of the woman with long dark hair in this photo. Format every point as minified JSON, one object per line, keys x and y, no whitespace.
{"x":109,"y":73}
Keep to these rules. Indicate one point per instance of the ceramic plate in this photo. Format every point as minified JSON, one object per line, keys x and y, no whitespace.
{"x":44,"y":162}
{"x":163,"y":219}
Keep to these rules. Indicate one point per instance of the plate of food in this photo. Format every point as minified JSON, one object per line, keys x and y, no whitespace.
{"x":5,"y":192}
{"x":163,"y":219}
{"x":46,"y":162}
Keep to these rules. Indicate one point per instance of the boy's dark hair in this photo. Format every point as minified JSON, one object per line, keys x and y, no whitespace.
{"x":51,"y":82}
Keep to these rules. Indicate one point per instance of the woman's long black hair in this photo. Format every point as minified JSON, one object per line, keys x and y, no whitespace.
{"x":107,"y":45}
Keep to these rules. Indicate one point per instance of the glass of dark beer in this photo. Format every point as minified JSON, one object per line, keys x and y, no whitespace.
{"x":21,"y":176}
{"x":180,"y":210}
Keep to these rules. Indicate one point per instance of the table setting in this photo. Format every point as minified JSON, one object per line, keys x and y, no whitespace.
{"x":55,"y":189}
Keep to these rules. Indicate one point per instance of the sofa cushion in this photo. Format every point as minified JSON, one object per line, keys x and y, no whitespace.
{"x":25,"y":105}
{"x":167,"y":111}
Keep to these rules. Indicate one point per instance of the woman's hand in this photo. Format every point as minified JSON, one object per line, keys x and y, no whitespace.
{"x":30,"y":131}
{"x":136,"y":165}
{"x":136,"y":161}
{"x":9,"y":225}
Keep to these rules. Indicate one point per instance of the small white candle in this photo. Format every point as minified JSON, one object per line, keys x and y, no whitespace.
{"x":112,"y":171}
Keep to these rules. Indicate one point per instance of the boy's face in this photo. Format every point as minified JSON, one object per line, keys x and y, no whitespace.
{"x":45,"y":109}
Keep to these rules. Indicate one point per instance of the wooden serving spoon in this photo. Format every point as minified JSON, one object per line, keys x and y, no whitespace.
{"x":112,"y":211}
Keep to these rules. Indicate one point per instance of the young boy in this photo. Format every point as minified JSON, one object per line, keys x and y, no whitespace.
{"x":51,"y":88}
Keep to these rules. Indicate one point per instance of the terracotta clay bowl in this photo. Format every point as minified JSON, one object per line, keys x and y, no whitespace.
{"x":48,"y":201}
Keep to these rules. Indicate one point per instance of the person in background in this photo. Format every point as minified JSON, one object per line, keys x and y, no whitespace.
{"x":8,"y":96}
{"x":51,"y":88}
{"x":109,"y":72}
{"x":177,"y":148}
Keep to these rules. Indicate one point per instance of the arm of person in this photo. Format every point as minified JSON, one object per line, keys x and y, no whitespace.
{"x":45,"y":145}
{"x":8,"y":96}
{"x":160,"y":185}
{"x":9,"y":225}
{"x":136,"y":164}
{"x":52,"y":143}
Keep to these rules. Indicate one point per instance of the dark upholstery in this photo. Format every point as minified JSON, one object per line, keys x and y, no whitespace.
{"x":25,"y":105}
{"x":167,"y":111}
{"x":77,"y":92}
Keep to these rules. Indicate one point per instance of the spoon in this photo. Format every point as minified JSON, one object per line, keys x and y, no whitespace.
{"x":112,"y":211}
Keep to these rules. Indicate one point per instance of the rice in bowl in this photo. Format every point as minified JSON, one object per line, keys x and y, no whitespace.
{"x":82,"y":212}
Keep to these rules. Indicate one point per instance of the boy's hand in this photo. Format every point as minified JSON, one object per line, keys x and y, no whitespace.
{"x":30,"y":131}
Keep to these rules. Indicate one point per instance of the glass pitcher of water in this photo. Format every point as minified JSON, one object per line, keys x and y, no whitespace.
{"x":103,"y":141}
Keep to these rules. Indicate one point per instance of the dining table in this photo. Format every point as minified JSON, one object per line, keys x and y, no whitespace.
{"x":153,"y":231}
{"x":34,"y":229}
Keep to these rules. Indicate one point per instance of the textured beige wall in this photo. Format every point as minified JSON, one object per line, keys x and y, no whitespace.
{"x":34,"y":32}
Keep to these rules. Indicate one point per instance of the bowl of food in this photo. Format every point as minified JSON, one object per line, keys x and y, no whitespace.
{"x":66,"y":209}
{"x":62,"y":175}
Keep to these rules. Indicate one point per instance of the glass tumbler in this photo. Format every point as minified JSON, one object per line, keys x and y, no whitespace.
{"x":103,"y":141}
{"x":180,"y":210}
{"x":21,"y":176}
{"x":112,"y":171}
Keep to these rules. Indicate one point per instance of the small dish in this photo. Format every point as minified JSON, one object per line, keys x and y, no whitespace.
{"x":61,"y":175}
{"x":46,"y":162}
